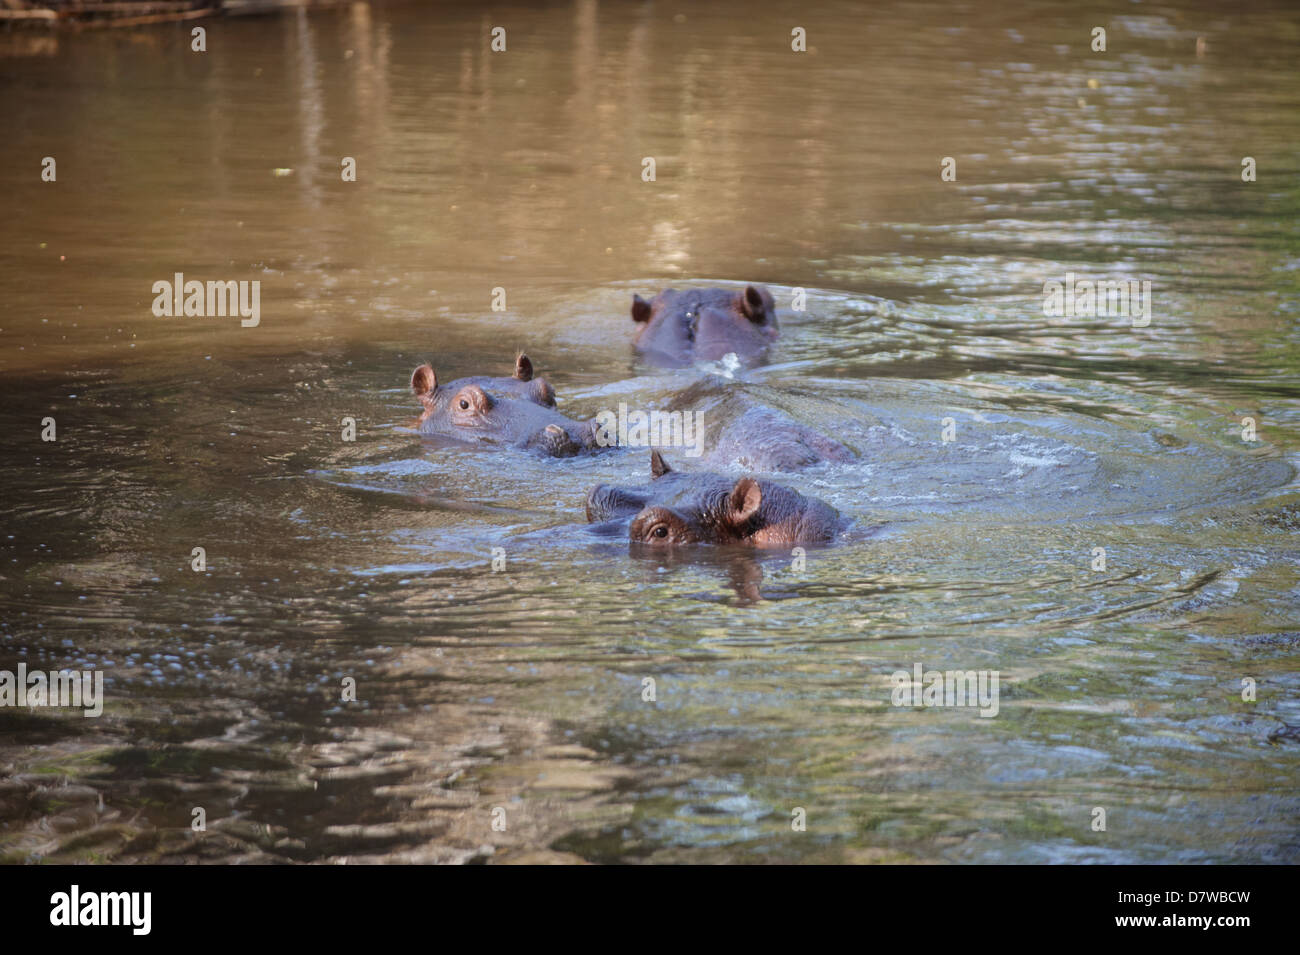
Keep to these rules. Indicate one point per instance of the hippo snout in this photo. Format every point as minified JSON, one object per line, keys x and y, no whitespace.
{"x":557,"y":441}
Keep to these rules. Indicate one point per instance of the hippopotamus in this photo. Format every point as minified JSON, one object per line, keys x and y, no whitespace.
{"x":744,"y":426}
{"x":679,"y":328}
{"x":521,"y":384}
{"x":678,"y":508}
{"x":518,"y":411}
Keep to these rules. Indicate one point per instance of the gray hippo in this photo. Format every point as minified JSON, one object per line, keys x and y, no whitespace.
{"x":678,"y":508}
{"x":679,"y":328}
{"x":743,"y":426}
{"x":732,"y":425}
{"x":516,"y":412}
{"x":521,"y":384}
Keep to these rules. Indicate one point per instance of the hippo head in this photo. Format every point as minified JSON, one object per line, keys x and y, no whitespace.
{"x":521,"y":384}
{"x":679,"y":508}
{"x":715,"y":515}
{"x":705,"y":324}
{"x":516,"y":411}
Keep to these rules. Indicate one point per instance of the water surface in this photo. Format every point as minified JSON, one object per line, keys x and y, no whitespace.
{"x":521,"y":689}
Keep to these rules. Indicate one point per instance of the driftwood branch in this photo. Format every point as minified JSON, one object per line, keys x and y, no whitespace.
{"x":80,"y":14}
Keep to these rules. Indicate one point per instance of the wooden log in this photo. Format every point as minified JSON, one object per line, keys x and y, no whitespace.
{"x":86,"y":14}
{"x":144,"y":7}
{"x":175,"y":17}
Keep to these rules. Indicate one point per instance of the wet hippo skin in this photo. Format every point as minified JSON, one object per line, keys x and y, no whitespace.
{"x":739,"y":428}
{"x":744,"y":427}
{"x":522,"y":384}
{"x":682,"y":508}
{"x":680,"y":327}
{"x":517,"y":411}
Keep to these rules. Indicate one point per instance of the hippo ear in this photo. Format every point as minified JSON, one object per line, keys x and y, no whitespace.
{"x":423,"y":380}
{"x":743,"y":501}
{"x":542,"y":392}
{"x":523,"y":368}
{"x":658,"y":466}
{"x":753,"y":303}
{"x":640,"y":309}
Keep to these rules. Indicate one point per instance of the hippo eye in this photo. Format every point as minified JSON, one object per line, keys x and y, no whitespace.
{"x":464,"y":405}
{"x":660,"y":531}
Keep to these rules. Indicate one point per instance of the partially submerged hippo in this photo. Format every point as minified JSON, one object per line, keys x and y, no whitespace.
{"x":522,"y":384}
{"x":678,"y":328}
{"x":678,"y":508}
{"x":743,"y":426}
{"x":518,"y":411}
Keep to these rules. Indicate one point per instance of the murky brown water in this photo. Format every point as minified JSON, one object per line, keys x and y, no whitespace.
{"x":521,"y":690}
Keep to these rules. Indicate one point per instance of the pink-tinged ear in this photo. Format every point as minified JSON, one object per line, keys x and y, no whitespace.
{"x":640,"y":309}
{"x":523,"y":368}
{"x":423,"y":380}
{"x":542,"y":392}
{"x":744,"y":501}
{"x":752,"y":303}
{"x":658,"y":466}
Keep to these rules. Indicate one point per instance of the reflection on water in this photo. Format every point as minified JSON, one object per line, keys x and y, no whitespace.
{"x":520,"y":693}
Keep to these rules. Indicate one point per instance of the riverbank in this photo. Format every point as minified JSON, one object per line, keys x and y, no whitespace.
{"x":80,"y":14}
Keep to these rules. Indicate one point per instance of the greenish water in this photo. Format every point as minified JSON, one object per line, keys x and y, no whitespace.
{"x":522,"y":689}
